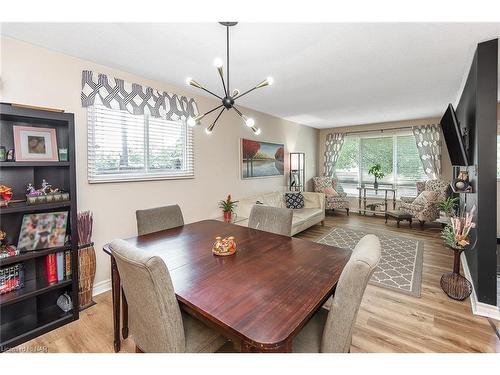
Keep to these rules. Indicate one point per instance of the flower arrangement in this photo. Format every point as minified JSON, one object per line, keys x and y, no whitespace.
{"x":228,"y":206}
{"x":5,"y":194}
{"x":456,"y":234}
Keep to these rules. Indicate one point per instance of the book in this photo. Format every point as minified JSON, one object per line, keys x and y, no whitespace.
{"x":51,"y":268}
{"x":67,"y":264}
{"x":11,"y":278}
{"x":60,"y":266}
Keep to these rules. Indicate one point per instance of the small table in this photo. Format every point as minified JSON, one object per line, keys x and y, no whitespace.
{"x":234,"y":219}
{"x":363,"y":189}
{"x":399,"y":216}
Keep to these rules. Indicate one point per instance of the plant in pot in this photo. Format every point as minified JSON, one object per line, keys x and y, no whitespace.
{"x":228,"y":207}
{"x":376,"y":171}
{"x":448,"y":206}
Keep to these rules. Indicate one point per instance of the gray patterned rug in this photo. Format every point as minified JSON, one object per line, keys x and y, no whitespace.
{"x":400,"y":266}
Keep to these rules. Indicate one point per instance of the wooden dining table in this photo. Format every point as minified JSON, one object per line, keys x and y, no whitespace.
{"x":259,"y":298}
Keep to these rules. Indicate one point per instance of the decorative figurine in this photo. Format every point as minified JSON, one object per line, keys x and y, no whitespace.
{"x":3,"y":153}
{"x":11,"y":155}
{"x":5,"y":195}
{"x":461,"y":183}
{"x":224,"y":246}
{"x":46,"y":194}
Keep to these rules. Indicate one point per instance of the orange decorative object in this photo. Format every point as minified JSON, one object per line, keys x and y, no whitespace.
{"x":224,"y":246}
{"x":5,"y":194}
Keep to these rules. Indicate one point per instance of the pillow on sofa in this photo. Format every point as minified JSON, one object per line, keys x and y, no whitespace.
{"x":294,"y":200}
{"x":427,"y":196}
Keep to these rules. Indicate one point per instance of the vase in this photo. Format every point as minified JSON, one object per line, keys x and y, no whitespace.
{"x":375,"y":184}
{"x":228,"y":216}
{"x":86,"y":275}
{"x":453,"y":283}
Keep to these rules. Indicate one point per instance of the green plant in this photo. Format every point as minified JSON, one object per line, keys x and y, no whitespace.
{"x":448,"y":236}
{"x":227,"y":205}
{"x":448,"y":205}
{"x":376,"y":171}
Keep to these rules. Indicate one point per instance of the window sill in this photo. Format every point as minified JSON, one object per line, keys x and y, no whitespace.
{"x":138,"y":179}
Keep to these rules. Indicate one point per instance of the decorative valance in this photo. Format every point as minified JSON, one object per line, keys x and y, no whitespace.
{"x":115,"y":93}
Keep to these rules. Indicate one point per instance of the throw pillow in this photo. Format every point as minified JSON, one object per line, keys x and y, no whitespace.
{"x":294,"y":200}
{"x":331,"y":192}
{"x":427,"y":196}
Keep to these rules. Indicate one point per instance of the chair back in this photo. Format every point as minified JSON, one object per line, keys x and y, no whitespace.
{"x":441,"y":186}
{"x":271,"y":219}
{"x":351,"y":286}
{"x":321,"y":183}
{"x":156,"y":320}
{"x":159,"y":218}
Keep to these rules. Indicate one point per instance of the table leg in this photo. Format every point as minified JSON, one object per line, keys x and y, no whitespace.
{"x":410,"y":220}
{"x":115,"y":288}
{"x":394,"y":200}
{"x":364,"y":201}
{"x":359,"y":202}
{"x":124,"y":316}
{"x":385,"y":201}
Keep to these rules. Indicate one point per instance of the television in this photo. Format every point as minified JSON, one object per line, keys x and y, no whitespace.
{"x":453,"y":138}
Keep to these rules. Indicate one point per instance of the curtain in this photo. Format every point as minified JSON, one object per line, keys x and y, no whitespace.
{"x":428,"y":141}
{"x":334,"y":142}
{"x":115,"y":93}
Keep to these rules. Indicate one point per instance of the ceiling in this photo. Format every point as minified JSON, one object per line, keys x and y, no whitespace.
{"x":326,"y":74}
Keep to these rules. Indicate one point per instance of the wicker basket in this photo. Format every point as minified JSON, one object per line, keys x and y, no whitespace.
{"x":86,"y":275}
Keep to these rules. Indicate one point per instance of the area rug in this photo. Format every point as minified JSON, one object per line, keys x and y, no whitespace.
{"x":400,"y":266}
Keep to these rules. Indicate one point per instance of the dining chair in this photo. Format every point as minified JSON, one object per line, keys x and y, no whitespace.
{"x":159,"y":218}
{"x":331,"y":331}
{"x":157,"y":324}
{"x":271,"y":219}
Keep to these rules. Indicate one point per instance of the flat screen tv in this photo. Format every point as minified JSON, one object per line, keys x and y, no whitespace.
{"x":453,"y":138}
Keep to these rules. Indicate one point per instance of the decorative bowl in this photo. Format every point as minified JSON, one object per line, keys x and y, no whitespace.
{"x":224,"y":246}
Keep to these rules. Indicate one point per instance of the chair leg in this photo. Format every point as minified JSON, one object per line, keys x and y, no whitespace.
{"x":422,"y":222}
{"x":322,"y":223}
{"x":347,"y":211}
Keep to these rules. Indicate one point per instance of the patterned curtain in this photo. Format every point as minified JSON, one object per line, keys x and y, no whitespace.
{"x":115,"y":93}
{"x":334,"y":142}
{"x":428,"y":140}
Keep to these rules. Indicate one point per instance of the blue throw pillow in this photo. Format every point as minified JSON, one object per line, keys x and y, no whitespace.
{"x":294,"y":200}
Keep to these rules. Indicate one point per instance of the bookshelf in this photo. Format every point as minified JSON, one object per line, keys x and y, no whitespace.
{"x":31,"y":311}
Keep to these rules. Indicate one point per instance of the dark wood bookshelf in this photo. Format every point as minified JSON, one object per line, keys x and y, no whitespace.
{"x":32,"y":310}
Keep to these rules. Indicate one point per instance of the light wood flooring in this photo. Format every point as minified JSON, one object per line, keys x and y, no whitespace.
{"x":387,"y":322}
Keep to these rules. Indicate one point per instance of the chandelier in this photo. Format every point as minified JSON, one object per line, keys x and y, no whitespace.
{"x":229,"y":98}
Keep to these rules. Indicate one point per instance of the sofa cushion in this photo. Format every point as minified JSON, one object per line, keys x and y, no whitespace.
{"x":427,"y":196}
{"x":329,"y":191}
{"x":273,"y":200}
{"x":294,"y":200}
{"x":306,"y":213}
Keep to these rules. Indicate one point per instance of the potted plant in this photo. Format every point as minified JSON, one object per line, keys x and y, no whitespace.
{"x":448,"y":206}
{"x":228,"y":207}
{"x":376,"y":171}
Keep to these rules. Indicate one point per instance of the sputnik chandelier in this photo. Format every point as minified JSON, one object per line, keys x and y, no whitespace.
{"x":229,"y":97}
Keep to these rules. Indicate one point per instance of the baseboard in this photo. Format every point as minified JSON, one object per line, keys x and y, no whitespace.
{"x":479,"y":308}
{"x":101,"y":287}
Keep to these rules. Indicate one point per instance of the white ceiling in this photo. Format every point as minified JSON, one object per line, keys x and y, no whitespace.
{"x":326,"y":75}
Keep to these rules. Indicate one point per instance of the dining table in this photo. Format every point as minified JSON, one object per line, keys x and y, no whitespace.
{"x":259,"y":298}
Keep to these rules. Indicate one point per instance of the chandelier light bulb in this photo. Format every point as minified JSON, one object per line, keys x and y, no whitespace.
{"x":270,"y":80}
{"x":235,"y":93}
{"x":218,"y":63}
{"x":188,"y":81}
{"x":208,"y":131}
{"x":257,"y":131}
{"x":191,"y":122}
{"x":249,"y":121}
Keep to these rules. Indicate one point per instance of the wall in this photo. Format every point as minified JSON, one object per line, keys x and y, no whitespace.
{"x":37,"y":76}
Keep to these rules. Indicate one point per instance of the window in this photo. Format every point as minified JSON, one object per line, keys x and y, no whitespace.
{"x":396,"y":152}
{"x":126,"y":147}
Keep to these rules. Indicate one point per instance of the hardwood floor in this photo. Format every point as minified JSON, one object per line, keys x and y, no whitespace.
{"x":388,"y":321}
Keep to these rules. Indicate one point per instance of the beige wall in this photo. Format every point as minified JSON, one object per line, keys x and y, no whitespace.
{"x":41,"y":77}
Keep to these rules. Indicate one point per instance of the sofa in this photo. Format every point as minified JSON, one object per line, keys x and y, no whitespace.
{"x":303,"y":218}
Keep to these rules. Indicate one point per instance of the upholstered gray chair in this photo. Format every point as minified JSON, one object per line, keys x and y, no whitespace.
{"x":331,"y":331}
{"x":159,"y":218}
{"x":156,"y":321}
{"x":271,"y":219}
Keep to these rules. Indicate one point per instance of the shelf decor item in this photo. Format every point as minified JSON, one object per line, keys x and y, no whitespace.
{"x":5,"y":195}
{"x":228,"y":207}
{"x":228,"y":98}
{"x":448,"y":205}
{"x":86,"y":259}
{"x":3,"y":153}
{"x":376,"y":171}
{"x":63,"y":154}
{"x":35,"y":144}
{"x":224,"y":246}
{"x":456,"y":237}
{"x":42,"y":231}
{"x":11,"y":278}
{"x":46,"y":194}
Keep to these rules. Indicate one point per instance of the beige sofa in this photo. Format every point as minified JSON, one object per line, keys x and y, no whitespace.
{"x":303,"y":218}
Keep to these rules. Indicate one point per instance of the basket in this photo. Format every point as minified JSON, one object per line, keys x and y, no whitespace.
{"x":86,"y":275}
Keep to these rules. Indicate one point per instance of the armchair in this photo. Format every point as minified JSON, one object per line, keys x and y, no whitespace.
{"x":428,"y":211}
{"x":332,"y":202}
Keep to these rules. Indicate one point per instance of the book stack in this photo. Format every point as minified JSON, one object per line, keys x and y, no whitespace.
{"x":58,"y":266}
{"x":11,"y":278}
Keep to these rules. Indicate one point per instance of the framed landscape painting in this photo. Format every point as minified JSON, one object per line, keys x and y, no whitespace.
{"x":261,"y":159}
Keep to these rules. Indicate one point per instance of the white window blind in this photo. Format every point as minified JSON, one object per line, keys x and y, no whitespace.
{"x":126,"y":147}
{"x":395,"y":151}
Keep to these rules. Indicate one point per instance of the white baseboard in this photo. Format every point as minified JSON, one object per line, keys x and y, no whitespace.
{"x":101,"y":287}
{"x":479,"y":308}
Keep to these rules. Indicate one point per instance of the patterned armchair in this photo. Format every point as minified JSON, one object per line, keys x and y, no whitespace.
{"x":332,"y":202}
{"x":428,"y":211}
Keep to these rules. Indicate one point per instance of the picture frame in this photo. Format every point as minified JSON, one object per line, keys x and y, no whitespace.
{"x":260,"y":159}
{"x":35,"y":143}
{"x":43,"y":231}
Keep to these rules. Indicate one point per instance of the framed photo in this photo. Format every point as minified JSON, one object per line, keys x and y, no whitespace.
{"x":261,"y":159}
{"x":35,"y":144}
{"x":42,"y":231}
